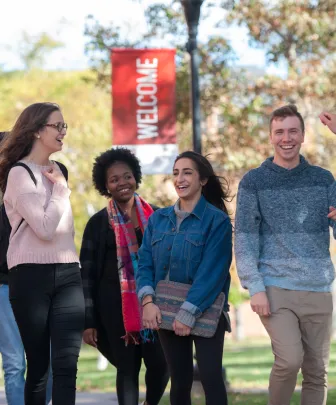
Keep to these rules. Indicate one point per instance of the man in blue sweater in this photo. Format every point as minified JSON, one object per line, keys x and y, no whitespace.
{"x":284,"y":210}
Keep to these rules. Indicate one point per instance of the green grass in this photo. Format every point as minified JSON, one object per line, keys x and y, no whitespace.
{"x":247,"y":365}
{"x":240,"y":399}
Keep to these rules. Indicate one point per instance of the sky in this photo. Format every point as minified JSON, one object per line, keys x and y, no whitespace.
{"x":65,"y":19}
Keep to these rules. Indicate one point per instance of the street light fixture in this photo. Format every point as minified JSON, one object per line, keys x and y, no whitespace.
{"x":192,"y":10}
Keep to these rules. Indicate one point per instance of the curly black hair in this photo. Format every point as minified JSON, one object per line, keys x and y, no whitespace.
{"x":106,"y":159}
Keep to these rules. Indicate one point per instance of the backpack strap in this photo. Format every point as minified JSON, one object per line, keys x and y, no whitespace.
{"x":31,"y":174}
{"x":64,"y":170}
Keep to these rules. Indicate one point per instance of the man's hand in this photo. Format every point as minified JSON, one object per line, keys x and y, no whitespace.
{"x":90,"y":337}
{"x":260,"y":304}
{"x":181,"y":329}
{"x":332,"y":213}
{"x":329,"y":120}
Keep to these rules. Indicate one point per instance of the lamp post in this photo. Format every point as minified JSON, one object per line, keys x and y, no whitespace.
{"x":192,"y":10}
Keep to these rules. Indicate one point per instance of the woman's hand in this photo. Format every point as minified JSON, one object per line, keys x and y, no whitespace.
{"x":55,"y":176}
{"x":90,"y":337}
{"x":180,"y":329}
{"x":151,"y":316}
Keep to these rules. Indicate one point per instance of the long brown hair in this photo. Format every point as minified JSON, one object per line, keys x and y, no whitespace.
{"x":20,"y":140}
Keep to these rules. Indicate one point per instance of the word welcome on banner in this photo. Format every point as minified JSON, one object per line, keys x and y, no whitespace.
{"x":143,"y":105}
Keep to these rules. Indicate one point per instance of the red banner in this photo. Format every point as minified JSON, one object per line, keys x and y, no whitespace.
{"x":143,"y":99}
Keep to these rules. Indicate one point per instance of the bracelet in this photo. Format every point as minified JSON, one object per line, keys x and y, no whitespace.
{"x":149,"y":302}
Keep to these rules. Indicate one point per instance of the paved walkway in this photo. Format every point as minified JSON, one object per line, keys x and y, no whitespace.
{"x":100,"y":398}
{"x":83,"y":398}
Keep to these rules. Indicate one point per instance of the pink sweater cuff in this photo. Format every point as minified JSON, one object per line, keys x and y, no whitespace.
{"x":60,"y":191}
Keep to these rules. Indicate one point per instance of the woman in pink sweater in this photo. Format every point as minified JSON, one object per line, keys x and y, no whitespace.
{"x":45,"y":285}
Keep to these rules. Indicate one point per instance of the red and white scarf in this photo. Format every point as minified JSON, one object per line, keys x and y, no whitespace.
{"x":127,"y":254}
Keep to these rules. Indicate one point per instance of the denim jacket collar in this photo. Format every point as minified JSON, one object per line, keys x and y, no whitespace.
{"x":197,"y":212}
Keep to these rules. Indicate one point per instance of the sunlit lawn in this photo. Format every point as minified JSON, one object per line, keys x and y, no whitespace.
{"x":240,"y":399}
{"x":247,"y":365}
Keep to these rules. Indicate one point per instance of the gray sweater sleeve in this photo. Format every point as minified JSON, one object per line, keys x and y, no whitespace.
{"x":332,"y":201}
{"x":247,"y":237}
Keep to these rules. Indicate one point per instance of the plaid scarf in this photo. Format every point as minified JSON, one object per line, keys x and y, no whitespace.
{"x":127,"y":254}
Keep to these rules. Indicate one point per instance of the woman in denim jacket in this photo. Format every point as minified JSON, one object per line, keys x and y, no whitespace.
{"x":191,"y":242}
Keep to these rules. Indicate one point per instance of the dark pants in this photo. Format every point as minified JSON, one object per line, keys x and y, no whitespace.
{"x":209,"y":352}
{"x":48,"y":305}
{"x":127,"y":359}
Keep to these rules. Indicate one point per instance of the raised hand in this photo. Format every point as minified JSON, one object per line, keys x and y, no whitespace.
{"x":55,"y":176}
{"x":329,"y":120}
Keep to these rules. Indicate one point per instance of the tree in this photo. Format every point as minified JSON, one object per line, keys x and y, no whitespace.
{"x":302,"y":34}
{"x":222,"y":87}
{"x":33,"y":49}
{"x":86,"y":109}
{"x":291,"y":30}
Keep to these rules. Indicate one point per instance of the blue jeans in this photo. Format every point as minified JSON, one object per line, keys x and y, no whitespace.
{"x":12,"y":352}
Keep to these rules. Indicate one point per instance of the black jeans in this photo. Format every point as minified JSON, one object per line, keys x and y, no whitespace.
{"x":127,"y":359}
{"x":48,"y":305}
{"x":209,"y":352}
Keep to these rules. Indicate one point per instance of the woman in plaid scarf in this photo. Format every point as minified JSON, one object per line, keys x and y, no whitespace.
{"x":109,"y":258}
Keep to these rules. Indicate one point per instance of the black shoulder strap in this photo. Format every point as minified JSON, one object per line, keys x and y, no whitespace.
{"x":31,"y":174}
{"x":64,"y":170}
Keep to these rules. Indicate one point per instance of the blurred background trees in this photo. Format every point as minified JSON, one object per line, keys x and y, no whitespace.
{"x":300,"y":35}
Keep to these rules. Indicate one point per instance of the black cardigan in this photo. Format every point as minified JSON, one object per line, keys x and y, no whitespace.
{"x":92,"y":256}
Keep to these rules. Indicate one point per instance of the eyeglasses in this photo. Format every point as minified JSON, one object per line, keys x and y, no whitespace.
{"x":59,"y":126}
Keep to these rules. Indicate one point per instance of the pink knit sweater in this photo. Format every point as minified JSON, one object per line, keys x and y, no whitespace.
{"x":47,"y":233}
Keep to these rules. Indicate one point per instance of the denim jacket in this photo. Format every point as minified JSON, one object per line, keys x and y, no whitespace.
{"x":200,"y":254}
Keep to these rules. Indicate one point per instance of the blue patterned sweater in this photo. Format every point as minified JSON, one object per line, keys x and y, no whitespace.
{"x":282,"y":232}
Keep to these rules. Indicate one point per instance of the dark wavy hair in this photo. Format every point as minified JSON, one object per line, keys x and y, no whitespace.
{"x":19,"y":141}
{"x":216,"y":190}
{"x":105,"y":160}
{"x":289,"y":110}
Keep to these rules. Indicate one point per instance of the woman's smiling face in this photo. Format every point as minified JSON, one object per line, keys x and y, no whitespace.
{"x":120,"y":182}
{"x":187,"y":180}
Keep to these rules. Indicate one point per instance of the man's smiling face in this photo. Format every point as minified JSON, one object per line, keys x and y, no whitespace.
{"x":286,"y":137}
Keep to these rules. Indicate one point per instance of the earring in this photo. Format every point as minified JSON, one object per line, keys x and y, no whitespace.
{"x":38,"y":137}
